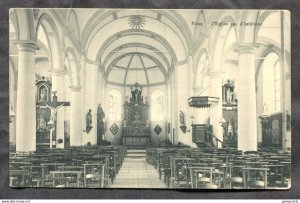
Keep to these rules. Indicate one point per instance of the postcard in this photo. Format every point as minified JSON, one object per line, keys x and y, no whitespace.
{"x":149,"y":98}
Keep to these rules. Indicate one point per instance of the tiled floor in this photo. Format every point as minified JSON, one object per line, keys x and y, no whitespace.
{"x":137,"y":173}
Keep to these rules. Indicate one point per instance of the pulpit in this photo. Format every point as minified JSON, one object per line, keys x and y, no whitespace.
{"x":202,"y":134}
{"x":136,"y":129}
{"x":271,"y":128}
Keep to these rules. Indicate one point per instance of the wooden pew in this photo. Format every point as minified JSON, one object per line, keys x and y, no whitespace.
{"x":253,"y":179}
{"x":65,"y":178}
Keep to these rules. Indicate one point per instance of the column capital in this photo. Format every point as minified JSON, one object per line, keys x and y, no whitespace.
{"x":246,"y":48}
{"x":75,"y":88}
{"x":179,"y":63}
{"x":58,"y":72}
{"x":27,"y":45}
{"x":190,"y":53}
{"x":215,"y":74}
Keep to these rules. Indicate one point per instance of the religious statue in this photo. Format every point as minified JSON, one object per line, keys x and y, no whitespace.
{"x":147,"y":123}
{"x":229,"y":95}
{"x":136,"y":92}
{"x":89,"y":121}
{"x":100,"y":124}
{"x":181,"y":118}
{"x":41,"y":123}
{"x":53,"y":111}
{"x":43,"y":94}
{"x":182,"y":122}
{"x":53,"y":106}
{"x":125,"y":123}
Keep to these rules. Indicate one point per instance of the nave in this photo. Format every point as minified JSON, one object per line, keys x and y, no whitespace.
{"x":156,"y":167}
{"x":136,"y":172}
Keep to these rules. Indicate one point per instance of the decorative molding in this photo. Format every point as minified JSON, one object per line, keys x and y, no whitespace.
{"x":136,"y":22}
{"x":115,"y":16}
{"x":130,"y":85}
{"x":58,"y":72}
{"x":26,"y":45}
{"x":157,"y":129}
{"x":214,"y":74}
{"x":114,"y":129}
{"x":246,"y":48}
{"x":36,"y":13}
{"x":90,"y":61}
{"x":202,"y":101}
{"x":159,"y":16}
{"x":75,"y":88}
{"x":178,"y":63}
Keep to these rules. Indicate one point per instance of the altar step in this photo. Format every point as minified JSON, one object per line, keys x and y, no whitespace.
{"x":136,"y":153}
{"x":136,"y":147}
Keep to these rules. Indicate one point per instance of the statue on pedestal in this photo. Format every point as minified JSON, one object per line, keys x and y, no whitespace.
{"x":136,"y":92}
{"x":100,"y":124}
{"x":41,"y":123}
{"x":88,"y":121}
{"x":43,"y":94}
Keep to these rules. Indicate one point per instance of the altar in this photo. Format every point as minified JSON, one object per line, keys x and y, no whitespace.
{"x":136,"y":129}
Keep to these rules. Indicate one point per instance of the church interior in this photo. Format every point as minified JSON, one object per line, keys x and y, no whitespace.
{"x":130,"y":98}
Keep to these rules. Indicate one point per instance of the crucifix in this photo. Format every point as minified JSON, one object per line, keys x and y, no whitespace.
{"x":53,"y":106}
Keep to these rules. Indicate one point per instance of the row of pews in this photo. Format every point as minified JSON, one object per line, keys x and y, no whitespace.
{"x":226,"y":168}
{"x":82,"y":167}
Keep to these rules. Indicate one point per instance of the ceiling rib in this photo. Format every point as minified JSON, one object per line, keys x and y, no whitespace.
{"x":136,"y":53}
{"x":144,"y":69}
{"x":127,"y":69}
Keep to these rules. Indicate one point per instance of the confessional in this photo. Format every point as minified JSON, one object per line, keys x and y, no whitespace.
{"x":272,"y":131}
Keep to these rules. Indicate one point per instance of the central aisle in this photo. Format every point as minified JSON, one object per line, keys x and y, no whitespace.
{"x":137,"y":173}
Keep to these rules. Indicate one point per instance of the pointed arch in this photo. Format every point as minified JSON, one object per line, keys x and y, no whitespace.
{"x":51,"y":31}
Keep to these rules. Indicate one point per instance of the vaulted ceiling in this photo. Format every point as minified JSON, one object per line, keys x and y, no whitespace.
{"x":134,"y":45}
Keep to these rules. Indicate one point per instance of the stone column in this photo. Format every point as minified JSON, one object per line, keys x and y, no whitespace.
{"x":26,"y":110}
{"x":216,"y":111}
{"x":12,"y":106}
{"x":76,"y":129}
{"x":58,"y":86}
{"x":91,"y":102}
{"x":247,"y":117}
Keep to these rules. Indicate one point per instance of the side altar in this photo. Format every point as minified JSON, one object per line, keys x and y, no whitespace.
{"x":136,"y":129}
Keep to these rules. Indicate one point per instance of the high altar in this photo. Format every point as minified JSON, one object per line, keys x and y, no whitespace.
{"x":136,"y":129}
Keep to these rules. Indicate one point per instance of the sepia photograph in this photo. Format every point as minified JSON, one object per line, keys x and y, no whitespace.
{"x":150,"y":98}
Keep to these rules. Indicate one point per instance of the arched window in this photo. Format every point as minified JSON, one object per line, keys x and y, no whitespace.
{"x":114,"y":105}
{"x":271,"y":75}
{"x":277,"y":85}
{"x":157,"y":105}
